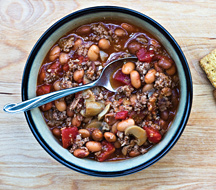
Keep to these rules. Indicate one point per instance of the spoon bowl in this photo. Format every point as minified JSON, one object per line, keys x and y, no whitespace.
{"x":103,"y":80}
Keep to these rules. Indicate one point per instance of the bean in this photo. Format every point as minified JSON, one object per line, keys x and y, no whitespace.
{"x":157,"y":68}
{"x":133,"y":47}
{"x":46,"y":107}
{"x":76,"y":122}
{"x":124,"y":124}
{"x":171,"y":70}
{"x":97,"y":135}
{"x":84,"y":30}
{"x":164,"y":115}
{"x":128,"y":27}
{"x":93,"y":146}
{"x":117,"y":144}
{"x":150,"y":76}
{"x":119,"y":32}
{"x":56,"y":85}
{"x":60,"y":105}
{"x":77,"y":44}
{"x":63,"y":58}
{"x":165,"y":62}
{"x":84,"y":133}
{"x":56,"y":132}
{"x":128,"y":67}
{"x":104,"y":44}
{"x":54,"y":53}
{"x":78,"y":75}
{"x":93,"y":53}
{"x":147,"y":87}
{"x":114,"y":127}
{"x":81,"y":153}
{"x":162,"y":123}
{"x":70,"y":112}
{"x":110,"y":137}
{"x":134,"y":153}
{"x":174,"y":97}
{"x":135,"y":79}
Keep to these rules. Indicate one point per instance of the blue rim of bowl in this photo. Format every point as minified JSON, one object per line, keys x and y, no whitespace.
{"x":172,"y":41}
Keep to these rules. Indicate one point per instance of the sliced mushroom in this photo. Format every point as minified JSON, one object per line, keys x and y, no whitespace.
{"x":125,"y":149}
{"x":103,"y":56}
{"x":102,"y":114}
{"x":88,"y":96}
{"x":93,"y":108}
{"x":137,"y":132}
{"x":94,"y":124}
{"x":110,"y":118}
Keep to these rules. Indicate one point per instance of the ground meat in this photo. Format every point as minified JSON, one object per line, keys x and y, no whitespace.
{"x":163,"y":103}
{"x":83,"y":49}
{"x":162,"y":81}
{"x":142,"y":68}
{"x":127,"y":90}
{"x":79,"y":142}
{"x":59,"y":116}
{"x":66,"y":43}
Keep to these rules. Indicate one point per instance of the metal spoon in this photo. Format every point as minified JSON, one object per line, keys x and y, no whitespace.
{"x":103,"y":80}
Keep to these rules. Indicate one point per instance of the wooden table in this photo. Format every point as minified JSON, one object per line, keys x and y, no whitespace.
{"x":24,"y":164}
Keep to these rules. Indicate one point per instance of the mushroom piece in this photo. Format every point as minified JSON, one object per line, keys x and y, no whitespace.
{"x":103,"y":56}
{"x":93,"y":108}
{"x":125,"y":149}
{"x":137,"y":132}
{"x":94,"y":124}
{"x":88,"y":96}
{"x":104,"y":112}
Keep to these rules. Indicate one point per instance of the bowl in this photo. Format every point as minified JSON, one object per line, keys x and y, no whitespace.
{"x":42,"y":132}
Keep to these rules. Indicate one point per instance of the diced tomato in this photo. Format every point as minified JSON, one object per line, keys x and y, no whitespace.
{"x":68,"y":136}
{"x":152,"y":134}
{"x":56,"y":68}
{"x":107,"y":150}
{"x":43,"y":89}
{"x":121,"y":115}
{"x":144,"y":55}
{"x":66,"y":67}
{"x":121,"y":77}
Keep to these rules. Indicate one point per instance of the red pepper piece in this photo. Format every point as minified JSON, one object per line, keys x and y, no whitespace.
{"x":42,"y":74}
{"x":56,"y":68}
{"x":121,"y":77}
{"x":121,"y":115}
{"x":145,"y":56}
{"x":43,"y":89}
{"x":152,"y":134}
{"x":107,"y":150}
{"x":68,"y":136}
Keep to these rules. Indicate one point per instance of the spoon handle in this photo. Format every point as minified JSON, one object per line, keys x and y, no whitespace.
{"x":43,"y":99}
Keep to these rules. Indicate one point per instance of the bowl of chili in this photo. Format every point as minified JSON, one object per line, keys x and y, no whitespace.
{"x":97,"y":132}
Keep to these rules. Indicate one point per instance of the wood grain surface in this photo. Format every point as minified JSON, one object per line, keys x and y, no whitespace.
{"x":24,"y":164}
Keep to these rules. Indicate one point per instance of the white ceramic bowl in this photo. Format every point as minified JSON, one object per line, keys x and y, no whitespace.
{"x":42,"y":132}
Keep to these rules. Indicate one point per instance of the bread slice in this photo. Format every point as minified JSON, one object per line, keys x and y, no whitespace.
{"x":208,"y":64}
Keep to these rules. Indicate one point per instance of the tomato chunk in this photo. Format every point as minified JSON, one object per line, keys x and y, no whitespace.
{"x":66,"y":67}
{"x":121,"y":77}
{"x":107,"y":150}
{"x":153,"y":135}
{"x":121,"y":115}
{"x":145,"y":56}
{"x":43,"y":89}
{"x":68,"y":136}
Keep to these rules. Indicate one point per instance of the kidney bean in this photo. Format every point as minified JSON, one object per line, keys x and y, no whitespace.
{"x":133,"y":47}
{"x":134,"y":153}
{"x":63,"y":58}
{"x":81,"y":153}
{"x":150,"y":76}
{"x":119,"y":32}
{"x":54,"y":53}
{"x":56,"y":132}
{"x":110,"y":137}
{"x":164,"y":115}
{"x":77,"y":44}
{"x":76,"y":122}
{"x":171,"y":70}
{"x":94,"y":146}
{"x":174,"y":97}
{"x":97,"y":135}
{"x":46,"y":107}
{"x":56,"y":85}
{"x":117,"y":144}
{"x":147,"y":87}
{"x":128,"y":67}
{"x":135,"y":79}
{"x":104,"y":44}
{"x":84,"y":30}
{"x":157,"y":68}
{"x":165,"y":62}
{"x":128,"y":27}
{"x":84,"y":133}
{"x":78,"y":75}
{"x":93,"y":53}
{"x":60,"y":105}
